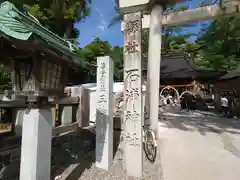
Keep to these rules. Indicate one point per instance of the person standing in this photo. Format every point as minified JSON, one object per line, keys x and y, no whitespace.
{"x":230,"y":99}
{"x":183,"y":103}
{"x":224,"y":105}
{"x":189,"y":102}
{"x":170,"y":99}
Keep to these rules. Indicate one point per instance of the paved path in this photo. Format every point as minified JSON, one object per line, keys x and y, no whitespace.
{"x":199,"y":146}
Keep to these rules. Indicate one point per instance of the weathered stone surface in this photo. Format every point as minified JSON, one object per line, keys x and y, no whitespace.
{"x":53,"y":110}
{"x":19,"y":119}
{"x":104,"y":113}
{"x":133,"y":110}
{"x":67,"y":115}
{"x":36,"y":145}
{"x":154,"y":59}
{"x":84,"y":107}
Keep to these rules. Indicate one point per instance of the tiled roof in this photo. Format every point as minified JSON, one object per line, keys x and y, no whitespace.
{"x":179,"y":66}
{"x":23,"y":26}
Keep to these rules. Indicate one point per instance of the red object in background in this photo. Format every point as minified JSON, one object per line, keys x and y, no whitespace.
{"x":181,"y":85}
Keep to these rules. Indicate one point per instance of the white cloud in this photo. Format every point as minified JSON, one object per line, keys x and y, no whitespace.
{"x":100,"y":13}
{"x":103,"y":24}
{"x":101,"y":27}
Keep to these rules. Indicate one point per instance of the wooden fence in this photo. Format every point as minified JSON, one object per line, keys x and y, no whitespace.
{"x":10,"y":141}
{"x":64,"y":114}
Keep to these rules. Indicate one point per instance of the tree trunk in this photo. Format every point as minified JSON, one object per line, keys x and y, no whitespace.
{"x":69,"y":25}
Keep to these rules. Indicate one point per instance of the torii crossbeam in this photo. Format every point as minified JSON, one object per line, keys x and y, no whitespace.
{"x":194,"y":15}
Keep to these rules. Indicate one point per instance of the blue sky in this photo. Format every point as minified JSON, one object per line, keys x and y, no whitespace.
{"x":96,"y":25}
{"x":102,"y":11}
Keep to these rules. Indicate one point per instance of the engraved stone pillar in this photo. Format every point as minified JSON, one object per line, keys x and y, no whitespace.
{"x":67,"y":115}
{"x":104,"y":113}
{"x":36,"y":145}
{"x":154,"y":59}
{"x":133,"y":110}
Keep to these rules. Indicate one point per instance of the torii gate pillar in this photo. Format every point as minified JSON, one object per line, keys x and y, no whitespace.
{"x":154,"y":59}
{"x":154,"y":52}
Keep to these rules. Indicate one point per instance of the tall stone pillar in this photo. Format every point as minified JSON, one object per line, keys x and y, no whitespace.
{"x":133,"y":110}
{"x":104,"y":113}
{"x":36,"y":145}
{"x":154,"y":59}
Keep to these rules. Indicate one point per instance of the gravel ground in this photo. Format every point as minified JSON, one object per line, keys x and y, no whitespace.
{"x":73,"y":158}
{"x":83,"y":167}
{"x":117,"y":172}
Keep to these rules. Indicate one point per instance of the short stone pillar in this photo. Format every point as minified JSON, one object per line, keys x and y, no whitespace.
{"x":104,"y":113}
{"x":36,"y":145}
{"x":67,"y":115}
{"x":84,"y":107}
{"x":133,"y":110}
{"x":53,"y":110}
{"x":19,"y":120}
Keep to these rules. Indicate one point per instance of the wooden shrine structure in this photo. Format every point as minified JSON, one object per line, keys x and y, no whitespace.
{"x":180,"y":72}
{"x":229,"y":82}
{"x":24,"y":38}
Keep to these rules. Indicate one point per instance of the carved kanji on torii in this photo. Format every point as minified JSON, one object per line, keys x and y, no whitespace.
{"x":155,"y":21}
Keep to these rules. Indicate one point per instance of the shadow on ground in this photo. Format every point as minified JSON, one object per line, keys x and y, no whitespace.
{"x":72,"y":149}
{"x":75,"y":150}
{"x":202,"y":122}
{"x":72,"y":154}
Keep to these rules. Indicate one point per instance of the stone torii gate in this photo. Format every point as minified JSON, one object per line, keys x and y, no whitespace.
{"x":136,"y":17}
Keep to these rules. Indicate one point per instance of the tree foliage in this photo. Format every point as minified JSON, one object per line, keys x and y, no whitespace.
{"x":173,"y":39}
{"x":57,"y":15}
{"x":102,"y":48}
{"x":220,"y":44}
{"x":117,"y":56}
{"x":217,"y":46}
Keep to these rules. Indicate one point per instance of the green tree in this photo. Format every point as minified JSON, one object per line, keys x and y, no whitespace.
{"x":220,"y":44}
{"x":117,"y":56}
{"x":58,"y":16}
{"x":174,"y":41}
{"x":90,"y":53}
{"x":102,"y":48}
